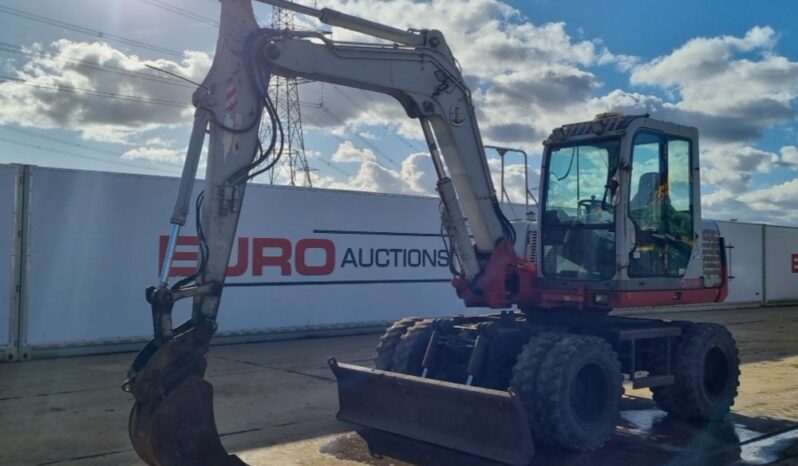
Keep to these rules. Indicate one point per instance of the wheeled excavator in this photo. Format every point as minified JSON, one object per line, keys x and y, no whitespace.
{"x":618,"y":225}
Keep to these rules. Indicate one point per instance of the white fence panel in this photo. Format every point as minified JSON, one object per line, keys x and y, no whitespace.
{"x":781,"y":264}
{"x":8,"y":227}
{"x":744,"y":243}
{"x":303,"y":258}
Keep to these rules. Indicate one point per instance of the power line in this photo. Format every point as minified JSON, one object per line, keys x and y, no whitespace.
{"x":93,"y":93}
{"x":181,"y":11}
{"x":19,"y":50}
{"x":338,"y":169}
{"x":88,"y":31}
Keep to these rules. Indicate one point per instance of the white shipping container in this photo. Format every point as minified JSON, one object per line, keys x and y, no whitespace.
{"x":303,"y":258}
{"x":8,"y":175}
{"x":744,"y":252}
{"x":781,"y":264}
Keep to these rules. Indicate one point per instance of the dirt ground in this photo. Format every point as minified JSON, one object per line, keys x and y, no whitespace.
{"x":276,"y":404}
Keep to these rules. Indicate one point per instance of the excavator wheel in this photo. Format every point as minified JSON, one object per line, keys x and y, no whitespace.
{"x":409,"y":354}
{"x":579,"y":388}
{"x":706,"y":366}
{"x":525,"y":378}
{"x":179,"y":429}
{"x":386,"y":348}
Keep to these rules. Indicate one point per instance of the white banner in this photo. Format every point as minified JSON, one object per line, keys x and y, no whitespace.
{"x":744,"y":252}
{"x":781,"y":264}
{"x":8,"y":175}
{"x":302,"y":258}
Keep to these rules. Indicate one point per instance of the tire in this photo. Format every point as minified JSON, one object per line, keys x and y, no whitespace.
{"x":409,"y":353}
{"x":383,"y":360}
{"x":525,"y":377}
{"x":706,"y":368}
{"x":579,"y":389}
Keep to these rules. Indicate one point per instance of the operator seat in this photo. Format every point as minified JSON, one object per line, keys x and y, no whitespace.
{"x":646,"y":188}
{"x":643,"y":208}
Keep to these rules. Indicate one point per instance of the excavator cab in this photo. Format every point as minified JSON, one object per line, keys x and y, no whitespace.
{"x":620,"y":209}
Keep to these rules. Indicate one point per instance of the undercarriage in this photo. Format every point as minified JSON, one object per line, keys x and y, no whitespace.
{"x":545,"y":376}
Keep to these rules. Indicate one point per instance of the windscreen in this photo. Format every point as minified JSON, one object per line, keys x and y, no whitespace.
{"x":579,"y":215}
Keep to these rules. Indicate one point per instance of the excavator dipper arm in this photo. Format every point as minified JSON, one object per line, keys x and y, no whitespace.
{"x":426,"y":81}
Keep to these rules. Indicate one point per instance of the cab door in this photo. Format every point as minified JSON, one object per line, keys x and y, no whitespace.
{"x":660,"y":204}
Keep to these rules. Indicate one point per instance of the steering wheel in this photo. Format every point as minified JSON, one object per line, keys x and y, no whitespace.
{"x":589,"y":206}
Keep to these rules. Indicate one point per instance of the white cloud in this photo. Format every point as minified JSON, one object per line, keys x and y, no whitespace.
{"x":376,"y":178}
{"x":733,"y":170}
{"x":418,"y":174}
{"x":82,"y":68}
{"x":789,"y":156}
{"x":730,"y":168}
{"x":777,"y":204}
{"x":155,"y":154}
{"x":732,"y":88}
{"x":347,"y":152}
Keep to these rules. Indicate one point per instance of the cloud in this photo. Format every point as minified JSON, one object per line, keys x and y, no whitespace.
{"x":789,"y":156}
{"x":418,"y":175}
{"x":730,"y":168}
{"x":80,"y":69}
{"x":376,"y":178}
{"x":347,"y":152}
{"x":735,"y":171}
{"x":774,"y":204}
{"x":155,"y":154}
{"x":415,"y":176}
{"x":732,"y":88}
{"x":524,"y":76}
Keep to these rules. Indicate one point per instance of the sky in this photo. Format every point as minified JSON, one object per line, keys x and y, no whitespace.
{"x":76,"y":91}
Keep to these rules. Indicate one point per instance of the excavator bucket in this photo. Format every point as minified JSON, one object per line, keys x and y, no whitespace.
{"x":179,"y":429}
{"x":478,"y":421}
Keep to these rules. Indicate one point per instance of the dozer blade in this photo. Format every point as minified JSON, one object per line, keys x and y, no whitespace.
{"x":478,"y":421}
{"x":179,"y":429}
